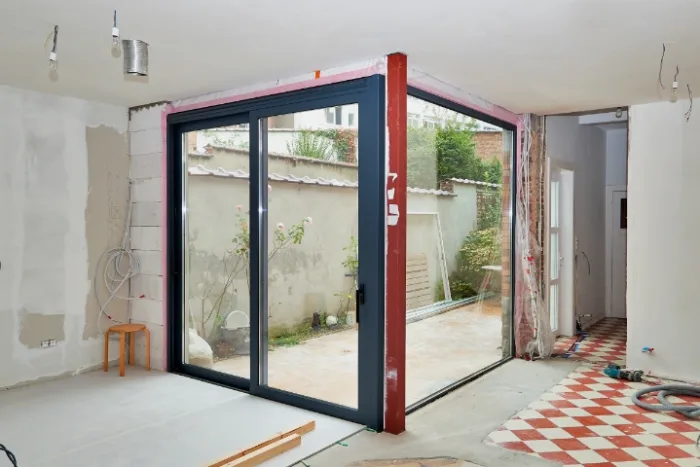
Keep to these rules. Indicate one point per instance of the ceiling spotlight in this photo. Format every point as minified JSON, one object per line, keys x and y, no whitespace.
{"x":618,"y":112}
{"x":674,"y":93}
{"x":116,"y":44}
{"x":53,"y":56}
{"x":135,"y":57}
{"x":674,"y":87}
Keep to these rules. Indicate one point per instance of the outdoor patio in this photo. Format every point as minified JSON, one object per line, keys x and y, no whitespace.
{"x":440,"y":351}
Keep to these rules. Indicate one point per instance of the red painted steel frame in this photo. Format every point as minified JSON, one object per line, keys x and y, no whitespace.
{"x":397,"y":120}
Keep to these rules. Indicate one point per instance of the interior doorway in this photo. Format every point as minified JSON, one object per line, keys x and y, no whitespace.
{"x":618,"y":257}
{"x":560,"y":244}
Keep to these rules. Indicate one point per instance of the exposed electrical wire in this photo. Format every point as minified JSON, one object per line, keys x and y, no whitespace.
{"x":690,"y":108}
{"x":10,"y":456}
{"x":661,"y":65}
{"x":115,"y":36}
{"x":53,"y":56}
{"x":115,"y":273}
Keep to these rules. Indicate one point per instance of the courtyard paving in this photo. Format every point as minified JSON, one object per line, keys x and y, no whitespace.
{"x":440,"y":351}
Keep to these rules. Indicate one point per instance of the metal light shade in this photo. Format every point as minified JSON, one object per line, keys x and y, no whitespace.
{"x":135,"y":57}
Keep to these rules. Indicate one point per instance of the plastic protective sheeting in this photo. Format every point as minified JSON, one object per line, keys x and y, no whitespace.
{"x":533,"y":335}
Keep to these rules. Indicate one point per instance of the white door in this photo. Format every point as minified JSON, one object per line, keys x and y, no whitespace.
{"x":619,"y":255}
{"x":555,"y":256}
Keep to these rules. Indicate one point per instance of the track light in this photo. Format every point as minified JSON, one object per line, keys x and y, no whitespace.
{"x":618,"y":112}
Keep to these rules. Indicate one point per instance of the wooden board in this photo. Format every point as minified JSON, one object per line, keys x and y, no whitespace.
{"x":300,"y":430}
{"x":266,"y":453}
{"x":418,"y":290}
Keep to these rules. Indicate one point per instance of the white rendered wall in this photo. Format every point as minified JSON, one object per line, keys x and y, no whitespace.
{"x":663,"y":252}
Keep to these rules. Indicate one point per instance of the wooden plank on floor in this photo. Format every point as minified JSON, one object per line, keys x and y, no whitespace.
{"x":300,"y":430}
{"x":266,"y":453}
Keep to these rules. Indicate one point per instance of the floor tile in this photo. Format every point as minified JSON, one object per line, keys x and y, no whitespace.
{"x":589,"y":420}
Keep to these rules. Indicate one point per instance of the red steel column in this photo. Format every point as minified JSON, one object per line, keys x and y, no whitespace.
{"x":397,"y":120}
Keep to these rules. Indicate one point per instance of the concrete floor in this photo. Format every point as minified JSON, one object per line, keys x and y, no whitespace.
{"x":149,"y":419}
{"x":455,"y":426}
{"x":440,"y":351}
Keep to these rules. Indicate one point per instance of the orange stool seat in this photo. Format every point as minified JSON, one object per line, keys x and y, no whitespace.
{"x":123,"y":330}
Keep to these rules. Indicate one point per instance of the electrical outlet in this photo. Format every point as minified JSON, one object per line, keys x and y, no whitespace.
{"x":45,"y":344}
{"x":575,"y":243}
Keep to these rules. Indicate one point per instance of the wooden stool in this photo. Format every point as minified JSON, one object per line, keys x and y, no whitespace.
{"x":123,"y":330}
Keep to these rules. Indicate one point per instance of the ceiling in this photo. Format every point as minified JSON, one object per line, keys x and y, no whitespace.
{"x":543,"y":56}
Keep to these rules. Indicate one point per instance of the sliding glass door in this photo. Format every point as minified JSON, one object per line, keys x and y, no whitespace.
{"x":277,"y":274}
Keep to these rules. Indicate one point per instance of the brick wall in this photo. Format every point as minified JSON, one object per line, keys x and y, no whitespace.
{"x":489,"y":144}
{"x":524,"y":332}
{"x":146,"y":147}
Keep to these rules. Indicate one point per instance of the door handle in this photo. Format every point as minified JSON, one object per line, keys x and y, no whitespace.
{"x":359,"y":299}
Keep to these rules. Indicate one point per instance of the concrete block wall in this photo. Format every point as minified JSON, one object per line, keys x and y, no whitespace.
{"x":146,"y":154}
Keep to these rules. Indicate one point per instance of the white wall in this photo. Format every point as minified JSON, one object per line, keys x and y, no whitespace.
{"x":663,"y":309}
{"x":63,"y":187}
{"x":616,"y":157}
{"x":615,"y":177}
{"x":583,"y":148}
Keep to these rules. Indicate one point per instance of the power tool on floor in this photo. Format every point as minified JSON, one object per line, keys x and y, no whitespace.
{"x":617,"y":372}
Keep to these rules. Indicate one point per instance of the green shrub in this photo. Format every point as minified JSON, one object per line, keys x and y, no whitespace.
{"x":480,"y":248}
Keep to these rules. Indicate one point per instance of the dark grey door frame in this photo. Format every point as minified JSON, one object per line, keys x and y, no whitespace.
{"x":368,"y":93}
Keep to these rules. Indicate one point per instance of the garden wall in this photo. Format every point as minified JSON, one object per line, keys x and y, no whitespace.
{"x":308,"y":277}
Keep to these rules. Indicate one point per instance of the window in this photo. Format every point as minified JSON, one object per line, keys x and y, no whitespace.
{"x":458,"y":273}
{"x":430,"y":124}
{"x":338,"y":115}
{"x":351,"y":119}
{"x":330,"y":115}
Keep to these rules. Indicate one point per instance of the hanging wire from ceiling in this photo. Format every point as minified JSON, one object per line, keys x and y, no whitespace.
{"x":116,"y":44}
{"x":53,"y":54}
{"x":661,"y":65}
{"x":690,"y":108}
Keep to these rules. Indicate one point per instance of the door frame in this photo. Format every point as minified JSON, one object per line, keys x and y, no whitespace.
{"x":369,"y":94}
{"x":567,"y":270}
{"x":609,"y":229}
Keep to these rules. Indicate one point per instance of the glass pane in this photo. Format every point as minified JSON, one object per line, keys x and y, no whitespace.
{"x":216,"y":250}
{"x":312,"y":225}
{"x":554,"y":203}
{"x":554,"y":306}
{"x":554,"y":256}
{"x":458,"y":247}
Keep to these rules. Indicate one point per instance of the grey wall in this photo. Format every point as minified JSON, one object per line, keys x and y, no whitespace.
{"x":583,"y":147}
{"x":63,"y":186}
{"x":308,"y":277}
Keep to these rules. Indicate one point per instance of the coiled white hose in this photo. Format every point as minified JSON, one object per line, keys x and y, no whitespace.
{"x":120,"y":265}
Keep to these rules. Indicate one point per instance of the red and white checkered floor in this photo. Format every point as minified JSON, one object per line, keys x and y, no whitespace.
{"x":589,"y":419}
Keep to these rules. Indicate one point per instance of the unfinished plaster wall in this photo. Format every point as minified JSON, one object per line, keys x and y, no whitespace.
{"x":663,"y":220}
{"x":63,"y":186}
{"x":582,"y":147}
